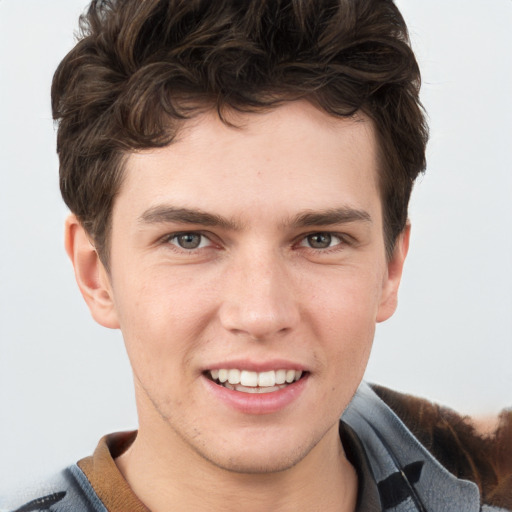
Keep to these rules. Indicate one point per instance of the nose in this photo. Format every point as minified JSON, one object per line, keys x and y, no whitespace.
{"x":258,"y":298}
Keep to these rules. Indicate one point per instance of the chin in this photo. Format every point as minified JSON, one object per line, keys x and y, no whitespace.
{"x":256,"y":464}
{"x":269,"y":454}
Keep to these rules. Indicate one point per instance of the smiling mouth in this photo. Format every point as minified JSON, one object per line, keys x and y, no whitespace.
{"x":254,"y":382}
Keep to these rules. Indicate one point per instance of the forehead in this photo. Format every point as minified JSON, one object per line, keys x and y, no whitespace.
{"x":294,"y":157}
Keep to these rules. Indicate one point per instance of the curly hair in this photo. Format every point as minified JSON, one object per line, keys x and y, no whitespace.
{"x":142,"y":68}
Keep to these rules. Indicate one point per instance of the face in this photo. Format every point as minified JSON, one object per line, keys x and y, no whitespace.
{"x":253,"y":254}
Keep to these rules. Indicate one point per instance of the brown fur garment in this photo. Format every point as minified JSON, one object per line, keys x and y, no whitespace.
{"x":454,"y":442}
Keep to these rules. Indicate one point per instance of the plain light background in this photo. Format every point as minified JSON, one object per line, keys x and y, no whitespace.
{"x":64,"y":381}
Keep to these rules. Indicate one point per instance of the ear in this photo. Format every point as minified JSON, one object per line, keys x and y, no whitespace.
{"x":389,"y":297}
{"x":91,"y":276}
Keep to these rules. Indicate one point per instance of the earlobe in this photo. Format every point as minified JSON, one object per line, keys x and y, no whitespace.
{"x":389,"y":298}
{"x":91,"y":276}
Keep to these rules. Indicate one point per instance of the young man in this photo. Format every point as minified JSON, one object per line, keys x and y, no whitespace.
{"x":238,"y":175}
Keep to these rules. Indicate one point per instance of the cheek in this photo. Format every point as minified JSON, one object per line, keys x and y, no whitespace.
{"x":343,"y":318}
{"x":162,"y":315}
{"x":347,"y":303}
{"x":347,"y":325}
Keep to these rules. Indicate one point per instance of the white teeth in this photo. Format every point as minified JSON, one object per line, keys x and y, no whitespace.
{"x":280,"y":376}
{"x":248,"y":378}
{"x":254,"y":390}
{"x":267,"y":379}
{"x":290,"y":376}
{"x":234,"y":378}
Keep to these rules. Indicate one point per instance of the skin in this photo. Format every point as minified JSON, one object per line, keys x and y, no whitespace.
{"x":258,"y":289}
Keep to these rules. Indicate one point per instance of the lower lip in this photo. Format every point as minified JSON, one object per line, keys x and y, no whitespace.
{"x":258,"y":403}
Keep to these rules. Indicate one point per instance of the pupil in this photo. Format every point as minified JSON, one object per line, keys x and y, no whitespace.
{"x":319,"y":240}
{"x":189,"y":241}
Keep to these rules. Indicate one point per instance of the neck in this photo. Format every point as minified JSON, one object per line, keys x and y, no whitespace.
{"x":172,"y":476}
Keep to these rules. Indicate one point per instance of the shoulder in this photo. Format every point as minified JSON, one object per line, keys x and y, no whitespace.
{"x":68,"y":490}
{"x":453,"y":440}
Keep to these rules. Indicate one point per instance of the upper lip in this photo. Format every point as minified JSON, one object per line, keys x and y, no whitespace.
{"x":257,"y":366}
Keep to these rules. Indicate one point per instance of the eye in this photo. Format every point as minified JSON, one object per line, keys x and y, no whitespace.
{"x":321,"y":240}
{"x":189,"y":241}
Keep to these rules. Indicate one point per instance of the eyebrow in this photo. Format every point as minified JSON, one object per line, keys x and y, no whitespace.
{"x":168,"y":214}
{"x":330,"y":217}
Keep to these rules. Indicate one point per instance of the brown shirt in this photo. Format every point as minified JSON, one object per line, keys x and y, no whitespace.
{"x":106,"y":479}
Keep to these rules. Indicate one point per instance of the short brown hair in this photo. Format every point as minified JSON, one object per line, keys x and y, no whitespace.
{"x":140,"y":68}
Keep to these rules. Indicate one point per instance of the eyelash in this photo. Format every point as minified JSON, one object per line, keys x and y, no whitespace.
{"x":169,"y":238}
{"x":343,"y":239}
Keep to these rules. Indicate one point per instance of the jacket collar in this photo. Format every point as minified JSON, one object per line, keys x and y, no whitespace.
{"x":408,"y":477}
